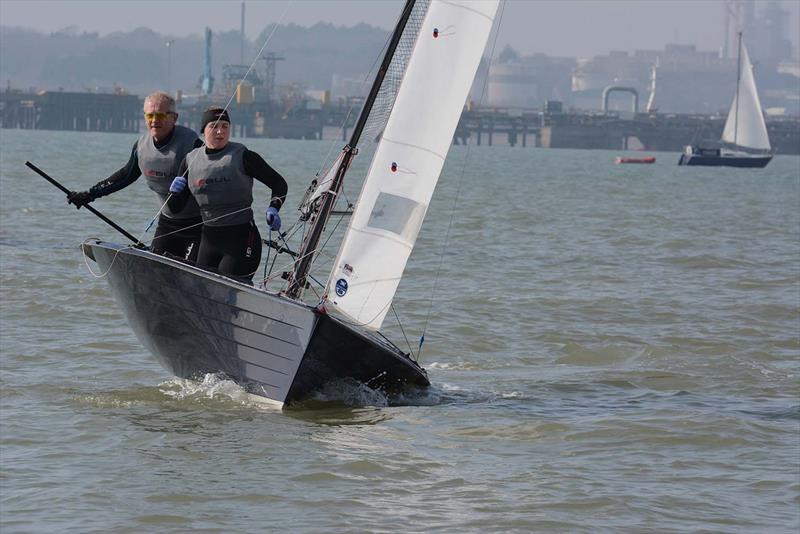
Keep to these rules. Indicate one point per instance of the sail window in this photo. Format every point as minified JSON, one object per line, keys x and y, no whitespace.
{"x":396,"y":214}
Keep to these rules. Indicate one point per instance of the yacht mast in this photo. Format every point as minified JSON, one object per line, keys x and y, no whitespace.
{"x":297,"y":279}
{"x":738,"y":83}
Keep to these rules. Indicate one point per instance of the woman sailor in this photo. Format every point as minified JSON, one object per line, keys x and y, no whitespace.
{"x":220,"y":177}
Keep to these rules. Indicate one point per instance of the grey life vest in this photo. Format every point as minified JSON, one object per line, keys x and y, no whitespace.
{"x":160,"y":166}
{"x":220,"y":186}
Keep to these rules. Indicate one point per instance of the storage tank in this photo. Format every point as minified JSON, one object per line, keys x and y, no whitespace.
{"x":513,"y":85}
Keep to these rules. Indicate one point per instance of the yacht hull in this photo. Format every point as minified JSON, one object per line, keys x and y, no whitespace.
{"x":196,"y":322}
{"x":716,"y":158}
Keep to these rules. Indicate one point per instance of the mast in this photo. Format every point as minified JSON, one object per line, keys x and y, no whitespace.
{"x":738,"y":83}
{"x":297,"y":279}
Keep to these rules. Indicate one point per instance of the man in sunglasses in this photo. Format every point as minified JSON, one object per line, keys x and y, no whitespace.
{"x":158,"y":155}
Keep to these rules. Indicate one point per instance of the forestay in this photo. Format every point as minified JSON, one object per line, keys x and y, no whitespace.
{"x":407,"y":162}
{"x":745,"y":125}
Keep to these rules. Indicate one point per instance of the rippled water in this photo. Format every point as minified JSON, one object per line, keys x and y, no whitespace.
{"x":611,"y":348}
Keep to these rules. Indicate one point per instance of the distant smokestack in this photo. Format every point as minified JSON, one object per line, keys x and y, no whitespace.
{"x":241,"y":53}
{"x":207,"y":81}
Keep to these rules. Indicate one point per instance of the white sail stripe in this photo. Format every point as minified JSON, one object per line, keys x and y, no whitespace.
{"x":420,"y":148}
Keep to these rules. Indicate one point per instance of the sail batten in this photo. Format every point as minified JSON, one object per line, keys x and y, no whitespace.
{"x":745,"y":126}
{"x":409,"y":158}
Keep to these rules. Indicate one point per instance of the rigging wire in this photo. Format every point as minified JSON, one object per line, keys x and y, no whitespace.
{"x":319,"y":249}
{"x":282,"y":236}
{"x":258,"y":55}
{"x":116,"y":253}
{"x":140,"y":240}
{"x":324,"y":169}
{"x":266,"y":261}
{"x":399,"y":322}
{"x":89,"y":267}
{"x":342,"y":193}
{"x":458,"y":193}
{"x":364,"y":82}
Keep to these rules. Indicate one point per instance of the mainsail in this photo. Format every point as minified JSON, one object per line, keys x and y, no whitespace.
{"x":409,"y":157}
{"x":745,"y":126}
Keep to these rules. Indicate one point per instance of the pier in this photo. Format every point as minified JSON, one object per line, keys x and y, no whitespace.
{"x":548,"y":128}
{"x":590,"y":129}
{"x":261,"y":119}
{"x":609,"y":131}
{"x":56,"y":110}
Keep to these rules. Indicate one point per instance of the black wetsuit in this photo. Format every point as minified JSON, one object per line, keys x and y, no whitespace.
{"x":231,"y":250}
{"x":176,"y":236}
{"x":230,"y":243}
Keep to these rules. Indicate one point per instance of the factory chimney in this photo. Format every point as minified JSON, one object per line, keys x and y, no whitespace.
{"x":207,"y":80}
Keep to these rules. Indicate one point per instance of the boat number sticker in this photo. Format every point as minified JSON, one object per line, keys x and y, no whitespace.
{"x":341,"y":287}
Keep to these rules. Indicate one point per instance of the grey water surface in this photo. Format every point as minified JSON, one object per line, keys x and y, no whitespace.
{"x":612,"y":348}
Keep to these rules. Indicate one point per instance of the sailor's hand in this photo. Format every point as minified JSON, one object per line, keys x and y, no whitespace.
{"x":178,"y":184}
{"x":273,"y":219}
{"x":80,"y":198}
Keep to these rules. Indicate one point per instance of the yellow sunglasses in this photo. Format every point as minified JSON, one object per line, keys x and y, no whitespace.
{"x":158,"y":115}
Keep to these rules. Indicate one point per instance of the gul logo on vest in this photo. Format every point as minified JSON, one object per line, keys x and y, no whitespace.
{"x":341,"y":287}
{"x":208,"y":181}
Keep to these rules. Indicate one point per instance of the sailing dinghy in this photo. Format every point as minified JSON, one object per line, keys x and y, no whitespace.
{"x":744,"y":138}
{"x":274,"y":344}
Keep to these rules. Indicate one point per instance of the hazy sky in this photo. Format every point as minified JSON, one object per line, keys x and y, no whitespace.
{"x":554,"y":27}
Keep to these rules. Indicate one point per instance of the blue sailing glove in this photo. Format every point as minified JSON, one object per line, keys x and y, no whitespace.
{"x":178,"y":184}
{"x":273,"y":219}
